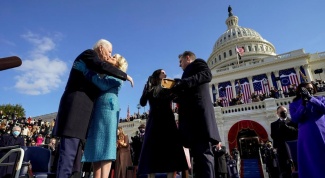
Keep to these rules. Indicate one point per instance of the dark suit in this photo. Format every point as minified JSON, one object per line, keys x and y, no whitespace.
{"x":197,"y":122}
{"x":220,"y":162}
{"x":75,"y":109}
{"x":282,"y":131}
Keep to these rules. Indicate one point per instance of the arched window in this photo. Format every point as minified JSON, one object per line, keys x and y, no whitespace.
{"x":219,"y":57}
{"x":230,"y":53}
{"x":224,"y":55}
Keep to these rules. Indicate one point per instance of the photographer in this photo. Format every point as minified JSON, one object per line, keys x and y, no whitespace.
{"x":271,"y":161}
{"x":309,"y":112}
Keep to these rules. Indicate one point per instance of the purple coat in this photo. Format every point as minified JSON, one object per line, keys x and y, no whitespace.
{"x":311,"y":135}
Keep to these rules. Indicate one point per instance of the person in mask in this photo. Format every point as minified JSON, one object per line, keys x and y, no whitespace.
{"x":12,"y":139}
{"x":309,"y":112}
{"x":282,"y":130}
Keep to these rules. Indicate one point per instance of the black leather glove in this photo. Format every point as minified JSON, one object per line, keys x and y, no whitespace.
{"x":145,"y":90}
{"x":179,"y":83}
{"x":305,"y":94}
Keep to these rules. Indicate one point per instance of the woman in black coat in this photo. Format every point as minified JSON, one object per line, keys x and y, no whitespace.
{"x":162,"y":151}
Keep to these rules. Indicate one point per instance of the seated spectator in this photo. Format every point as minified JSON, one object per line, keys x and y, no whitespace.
{"x":255,"y":98}
{"x":292,"y":90}
{"x":10,"y":140}
{"x":274,"y":93}
{"x":39,"y":140}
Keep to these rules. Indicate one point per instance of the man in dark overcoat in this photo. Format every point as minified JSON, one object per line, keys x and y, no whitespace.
{"x":282,"y":130}
{"x":220,"y":161}
{"x":76,"y":106}
{"x":197,"y":122}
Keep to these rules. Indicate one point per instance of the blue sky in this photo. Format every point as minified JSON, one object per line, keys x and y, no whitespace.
{"x":48,"y":35}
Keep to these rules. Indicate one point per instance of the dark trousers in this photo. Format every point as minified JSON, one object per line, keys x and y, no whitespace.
{"x":203,"y":159}
{"x":70,"y":155}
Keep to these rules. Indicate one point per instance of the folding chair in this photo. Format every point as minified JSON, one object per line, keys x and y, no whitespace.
{"x":40,"y":160}
{"x":18,"y":160}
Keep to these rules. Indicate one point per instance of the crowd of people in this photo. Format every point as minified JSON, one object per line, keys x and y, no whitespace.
{"x":274,"y":93}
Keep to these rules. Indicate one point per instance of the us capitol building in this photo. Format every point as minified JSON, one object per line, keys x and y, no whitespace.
{"x":256,"y":70}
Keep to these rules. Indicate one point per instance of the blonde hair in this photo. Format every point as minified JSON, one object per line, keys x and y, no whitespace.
{"x":121,"y":62}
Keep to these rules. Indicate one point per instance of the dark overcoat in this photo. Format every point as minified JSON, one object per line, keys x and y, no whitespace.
{"x":197,"y":120}
{"x":78,"y":98}
{"x":162,"y":150}
{"x":220,"y":162}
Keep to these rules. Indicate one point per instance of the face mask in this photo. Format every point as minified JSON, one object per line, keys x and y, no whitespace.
{"x":141,"y":130}
{"x":283,"y":114}
{"x":16,"y":133}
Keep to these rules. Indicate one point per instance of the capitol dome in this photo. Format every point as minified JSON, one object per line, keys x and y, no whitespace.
{"x":224,"y":50}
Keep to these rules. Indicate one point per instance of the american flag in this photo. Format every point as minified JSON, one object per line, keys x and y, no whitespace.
{"x":240,"y":51}
{"x":288,"y":77}
{"x":225,"y":92}
{"x":258,"y":84}
{"x":244,"y":89}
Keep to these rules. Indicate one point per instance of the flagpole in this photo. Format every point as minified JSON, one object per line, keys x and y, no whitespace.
{"x":237,"y":55}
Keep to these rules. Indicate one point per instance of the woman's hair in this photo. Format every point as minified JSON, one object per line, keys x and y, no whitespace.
{"x":155,"y":80}
{"x":121,"y":62}
{"x":299,"y":90}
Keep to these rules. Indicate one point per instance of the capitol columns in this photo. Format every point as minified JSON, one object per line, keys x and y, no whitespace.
{"x":214,"y":91}
{"x":233,"y":88}
{"x":308,"y":73}
{"x":297,"y":70}
{"x":278,"y":82}
{"x":269,"y":78}
{"x":250,"y":80}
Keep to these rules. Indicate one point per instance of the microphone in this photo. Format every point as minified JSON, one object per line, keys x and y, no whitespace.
{"x":9,"y":62}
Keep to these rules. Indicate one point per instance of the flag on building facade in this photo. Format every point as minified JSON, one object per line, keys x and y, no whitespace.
{"x":287,"y":78}
{"x":261,"y":84}
{"x":225,"y":93}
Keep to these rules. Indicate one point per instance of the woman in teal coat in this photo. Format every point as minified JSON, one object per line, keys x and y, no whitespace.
{"x":100,"y":148}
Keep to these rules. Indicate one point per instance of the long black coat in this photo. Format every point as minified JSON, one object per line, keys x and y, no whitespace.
{"x":197,"y":121}
{"x":220,"y":162}
{"x":78,"y":98}
{"x":280,"y":133}
{"x":161,"y":150}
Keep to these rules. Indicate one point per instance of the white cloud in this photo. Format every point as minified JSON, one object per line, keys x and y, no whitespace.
{"x":40,"y":74}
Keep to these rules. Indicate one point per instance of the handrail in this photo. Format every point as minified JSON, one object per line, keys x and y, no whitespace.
{"x":18,"y":164}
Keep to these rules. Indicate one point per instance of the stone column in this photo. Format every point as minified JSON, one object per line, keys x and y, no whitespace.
{"x":250,"y":80}
{"x":308,"y":73}
{"x":217,"y":89}
{"x":269,"y":78}
{"x":233,"y":86}
{"x":276,"y":74}
{"x":297,"y":69}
